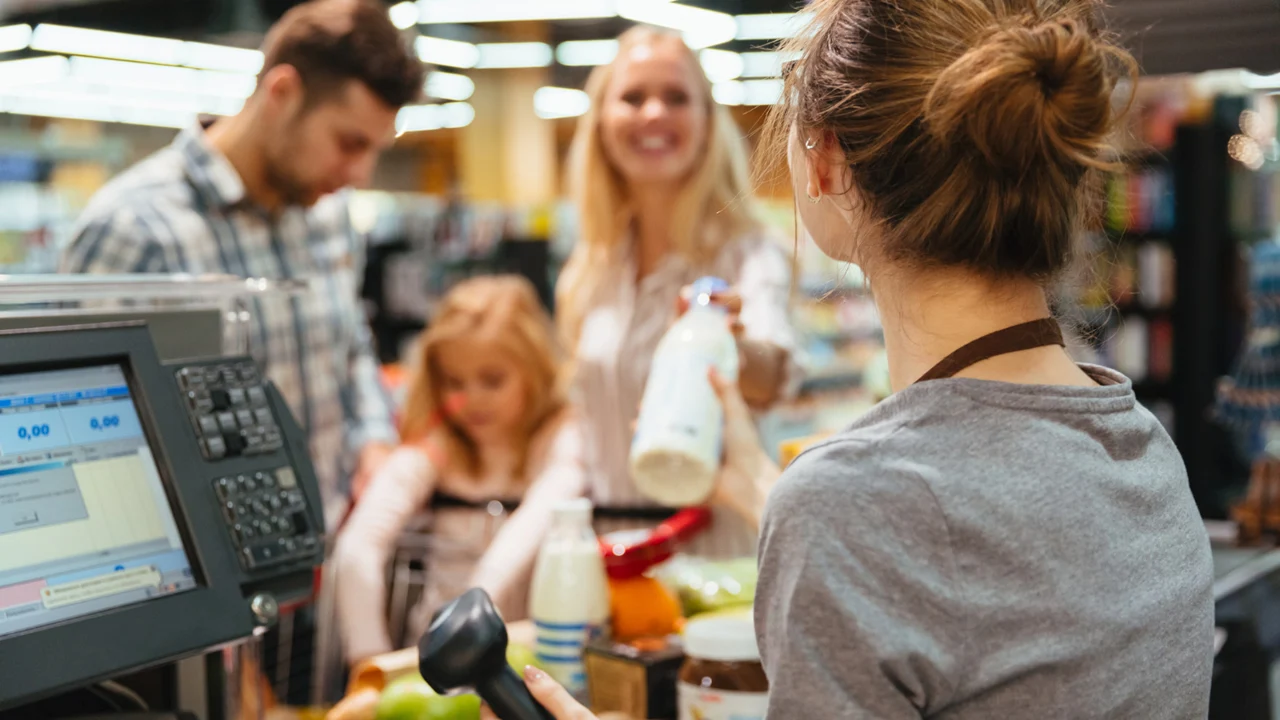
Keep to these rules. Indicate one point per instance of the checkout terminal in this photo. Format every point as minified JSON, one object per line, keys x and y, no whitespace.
{"x":148,"y":512}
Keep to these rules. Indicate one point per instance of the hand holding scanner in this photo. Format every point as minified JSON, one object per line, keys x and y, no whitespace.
{"x":466,"y":646}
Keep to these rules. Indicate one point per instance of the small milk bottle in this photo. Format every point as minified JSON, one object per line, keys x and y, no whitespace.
{"x":675,"y":453}
{"x":569,"y":596}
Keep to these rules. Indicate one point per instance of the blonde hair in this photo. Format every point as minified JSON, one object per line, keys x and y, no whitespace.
{"x":714,"y":204}
{"x":504,"y":310}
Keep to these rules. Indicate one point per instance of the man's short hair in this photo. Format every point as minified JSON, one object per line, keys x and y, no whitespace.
{"x":331,"y":41}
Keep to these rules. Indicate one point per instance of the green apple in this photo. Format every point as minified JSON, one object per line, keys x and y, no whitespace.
{"x":453,"y":707}
{"x":520,"y":657}
{"x":408,"y":698}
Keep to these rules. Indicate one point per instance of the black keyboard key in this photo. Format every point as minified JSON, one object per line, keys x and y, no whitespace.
{"x":221,"y":399}
{"x":235,"y":443}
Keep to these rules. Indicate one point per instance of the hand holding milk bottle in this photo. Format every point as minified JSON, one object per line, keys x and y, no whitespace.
{"x":675,"y":453}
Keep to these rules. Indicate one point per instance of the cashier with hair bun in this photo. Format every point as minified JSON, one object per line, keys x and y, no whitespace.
{"x":1010,"y":534}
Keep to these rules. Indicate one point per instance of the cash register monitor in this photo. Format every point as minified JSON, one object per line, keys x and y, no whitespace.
{"x":85,"y":523}
{"x":147,"y":511}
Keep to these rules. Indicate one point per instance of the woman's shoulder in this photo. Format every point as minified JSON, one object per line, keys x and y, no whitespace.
{"x":839,"y":463}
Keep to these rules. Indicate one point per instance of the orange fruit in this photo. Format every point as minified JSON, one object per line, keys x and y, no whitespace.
{"x":642,"y":607}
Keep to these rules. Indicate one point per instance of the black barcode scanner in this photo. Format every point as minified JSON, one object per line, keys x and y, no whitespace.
{"x":466,"y":647}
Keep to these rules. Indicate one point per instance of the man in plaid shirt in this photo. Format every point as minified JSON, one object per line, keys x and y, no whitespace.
{"x":256,"y":195}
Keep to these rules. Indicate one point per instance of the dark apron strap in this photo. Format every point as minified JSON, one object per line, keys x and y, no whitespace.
{"x":1027,"y":336}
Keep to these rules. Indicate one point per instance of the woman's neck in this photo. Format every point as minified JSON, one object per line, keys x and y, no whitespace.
{"x":929,"y":315}
{"x":652,"y":205}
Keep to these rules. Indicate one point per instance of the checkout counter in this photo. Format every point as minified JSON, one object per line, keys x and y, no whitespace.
{"x":150,"y":509}
{"x":157,"y":513}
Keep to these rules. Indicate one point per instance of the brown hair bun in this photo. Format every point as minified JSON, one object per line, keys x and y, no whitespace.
{"x":973,"y":128}
{"x":1027,"y":95}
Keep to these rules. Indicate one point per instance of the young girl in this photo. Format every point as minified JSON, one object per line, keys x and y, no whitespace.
{"x":484,"y":422}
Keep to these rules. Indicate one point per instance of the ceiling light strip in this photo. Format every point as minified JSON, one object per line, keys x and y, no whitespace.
{"x":701,"y":28}
{"x":141,"y":48}
{"x":439,"y":12}
{"x":550,"y":103}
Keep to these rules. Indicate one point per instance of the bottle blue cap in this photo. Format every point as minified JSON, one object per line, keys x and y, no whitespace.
{"x":706,"y":286}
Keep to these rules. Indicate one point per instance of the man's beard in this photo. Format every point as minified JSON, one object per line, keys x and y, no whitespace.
{"x":291,"y":190}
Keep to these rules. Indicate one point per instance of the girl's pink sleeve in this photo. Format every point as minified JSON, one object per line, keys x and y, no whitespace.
{"x":398,"y":491}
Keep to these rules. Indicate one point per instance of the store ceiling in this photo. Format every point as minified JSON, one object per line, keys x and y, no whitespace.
{"x":1169,"y":36}
{"x":1176,"y":36}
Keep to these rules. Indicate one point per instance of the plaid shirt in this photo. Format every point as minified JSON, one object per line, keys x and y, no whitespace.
{"x":184,"y":210}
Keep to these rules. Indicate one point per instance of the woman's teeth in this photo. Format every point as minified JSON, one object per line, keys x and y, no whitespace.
{"x":654,"y":142}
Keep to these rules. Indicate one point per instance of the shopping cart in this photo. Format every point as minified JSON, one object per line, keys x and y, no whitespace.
{"x":425,"y":571}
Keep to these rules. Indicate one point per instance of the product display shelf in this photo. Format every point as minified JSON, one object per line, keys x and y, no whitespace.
{"x":1160,"y":299}
{"x":1223,"y":207}
{"x":45,"y":181}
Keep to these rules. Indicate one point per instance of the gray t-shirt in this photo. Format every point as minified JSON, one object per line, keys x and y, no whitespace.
{"x":974,"y":549}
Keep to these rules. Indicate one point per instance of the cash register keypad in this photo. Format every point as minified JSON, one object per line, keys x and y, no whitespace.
{"x":229,"y":410}
{"x":266,"y":514}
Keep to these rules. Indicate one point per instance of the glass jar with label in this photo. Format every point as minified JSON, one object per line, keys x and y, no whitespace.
{"x":722,"y":677}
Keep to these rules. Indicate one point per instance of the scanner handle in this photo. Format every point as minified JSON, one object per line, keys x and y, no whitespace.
{"x":510,"y":699}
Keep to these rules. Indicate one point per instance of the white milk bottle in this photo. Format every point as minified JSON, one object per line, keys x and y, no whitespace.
{"x":569,"y":596}
{"x":675,"y":453}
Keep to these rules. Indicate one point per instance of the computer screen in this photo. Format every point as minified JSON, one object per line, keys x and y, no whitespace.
{"x":85,"y":525}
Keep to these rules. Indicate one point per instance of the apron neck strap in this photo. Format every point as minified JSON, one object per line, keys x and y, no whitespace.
{"x":1027,"y":336}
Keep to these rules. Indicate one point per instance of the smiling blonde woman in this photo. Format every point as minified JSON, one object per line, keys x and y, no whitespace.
{"x":658,"y":171}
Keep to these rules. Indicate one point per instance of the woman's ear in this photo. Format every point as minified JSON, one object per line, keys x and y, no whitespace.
{"x":826,"y":172}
